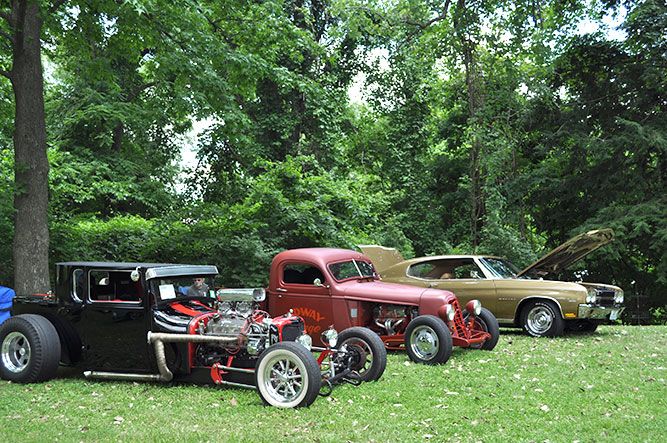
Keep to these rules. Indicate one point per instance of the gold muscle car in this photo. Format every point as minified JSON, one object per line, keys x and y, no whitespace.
{"x":527,"y":299}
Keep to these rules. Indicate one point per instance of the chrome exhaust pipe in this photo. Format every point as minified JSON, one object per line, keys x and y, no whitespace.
{"x":121,"y":376}
{"x":159,"y":338}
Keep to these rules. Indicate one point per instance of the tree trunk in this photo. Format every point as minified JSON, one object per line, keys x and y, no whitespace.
{"x":31,"y":231}
{"x":475,"y":107}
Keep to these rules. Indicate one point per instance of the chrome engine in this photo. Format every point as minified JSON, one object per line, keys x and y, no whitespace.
{"x":392,"y":319}
{"x":220,"y":325}
{"x":238,"y":317}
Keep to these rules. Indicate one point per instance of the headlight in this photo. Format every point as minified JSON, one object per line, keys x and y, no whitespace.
{"x":305,"y":341}
{"x":474,"y":307}
{"x":330,"y":338}
{"x":450,"y":312}
{"x":618,"y":297}
{"x":591,"y":295}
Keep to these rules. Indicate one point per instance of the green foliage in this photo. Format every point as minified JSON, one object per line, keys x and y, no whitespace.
{"x":659,"y":315}
{"x":602,"y":159}
{"x":6,"y":217}
{"x":103,"y":186}
{"x":121,"y":238}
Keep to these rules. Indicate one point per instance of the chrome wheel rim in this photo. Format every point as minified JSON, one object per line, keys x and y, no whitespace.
{"x":284,"y":378}
{"x":424,"y":342}
{"x":15,"y":352}
{"x":539,"y":319}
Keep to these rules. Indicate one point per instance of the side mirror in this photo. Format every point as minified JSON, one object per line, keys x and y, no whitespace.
{"x":135,"y":275}
{"x":317,"y":282}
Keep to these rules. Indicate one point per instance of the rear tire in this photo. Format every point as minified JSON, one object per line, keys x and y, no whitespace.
{"x":287,"y":376}
{"x":29,"y":349}
{"x":371,"y":355}
{"x":70,"y":343}
{"x":542,"y":318}
{"x":486,"y":322}
{"x":428,"y":340}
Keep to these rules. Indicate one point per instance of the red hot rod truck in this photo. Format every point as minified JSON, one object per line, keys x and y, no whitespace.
{"x":158,"y":322}
{"x":340,"y":287}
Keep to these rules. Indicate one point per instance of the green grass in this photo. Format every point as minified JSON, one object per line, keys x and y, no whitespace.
{"x":608,"y":386}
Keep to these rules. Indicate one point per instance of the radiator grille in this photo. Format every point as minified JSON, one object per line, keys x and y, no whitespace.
{"x":605,"y":298}
{"x":291,"y":332}
{"x":459,"y":327}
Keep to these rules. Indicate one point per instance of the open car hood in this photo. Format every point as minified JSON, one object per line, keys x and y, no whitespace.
{"x":381,"y":256}
{"x":569,"y":252}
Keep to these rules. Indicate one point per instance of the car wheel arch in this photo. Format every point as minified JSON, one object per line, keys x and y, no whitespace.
{"x":524,"y":301}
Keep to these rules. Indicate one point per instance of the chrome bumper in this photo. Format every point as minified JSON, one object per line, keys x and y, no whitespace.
{"x":599,"y":312}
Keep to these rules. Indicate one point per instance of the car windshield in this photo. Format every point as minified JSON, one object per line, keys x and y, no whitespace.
{"x":352,"y":269}
{"x":500,"y":268}
{"x":173,"y":287}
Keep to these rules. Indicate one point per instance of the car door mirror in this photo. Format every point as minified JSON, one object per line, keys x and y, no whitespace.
{"x":317,"y":282}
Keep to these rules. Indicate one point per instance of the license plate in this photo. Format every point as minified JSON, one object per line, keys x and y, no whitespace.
{"x":614,"y":314}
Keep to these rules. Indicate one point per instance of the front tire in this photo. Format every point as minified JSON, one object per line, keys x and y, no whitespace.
{"x":486,"y":322}
{"x":29,"y":349}
{"x":370,"y":355}
{"x":287,"y":376}
{"x":428,"y":340}
{"x":542,"y":318}
{"x":582,"y":326}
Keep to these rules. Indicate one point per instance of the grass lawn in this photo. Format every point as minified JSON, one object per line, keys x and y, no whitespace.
{"x":608,"y":386}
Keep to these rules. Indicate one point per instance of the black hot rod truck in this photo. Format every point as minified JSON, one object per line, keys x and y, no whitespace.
{"x":163,"y":322}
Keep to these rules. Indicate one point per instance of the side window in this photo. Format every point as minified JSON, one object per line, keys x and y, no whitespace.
{"x":78,"y":288}
{"x":468,"y":270}
{"x":115,"y":286}
{"x":432,"y":270}
{"x":301,"y":274}
{"x":421,"y":270}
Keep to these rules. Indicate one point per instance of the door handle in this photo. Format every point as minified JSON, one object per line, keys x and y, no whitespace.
{"x":281,"y":289}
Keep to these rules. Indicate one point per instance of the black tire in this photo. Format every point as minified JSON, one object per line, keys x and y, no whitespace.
{"x":542,"y":318}
{"x":70,"y":343}
{"x":486,"y":322}
{"x":428,"y":340}
{"x":287,"y":376}
{"x":370,"y":355}
{"x":29,"y":349}
{"x":581,"y":326}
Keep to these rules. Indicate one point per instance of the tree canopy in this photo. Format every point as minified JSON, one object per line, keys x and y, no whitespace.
{"x":492,"y":127}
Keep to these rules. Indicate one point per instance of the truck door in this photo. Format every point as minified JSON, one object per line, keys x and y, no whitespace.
{"x":297,"y":291}
{"x":114,"y":323}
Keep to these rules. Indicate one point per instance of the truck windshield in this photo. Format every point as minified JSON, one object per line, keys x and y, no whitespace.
{"x":174,"y":287}
{"x":352,"y":269}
